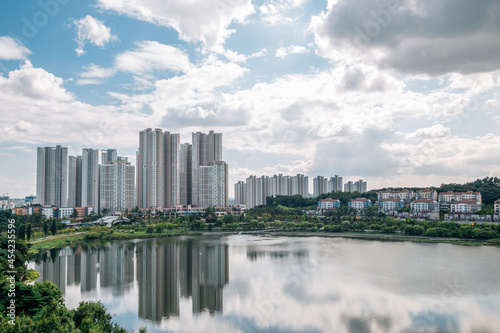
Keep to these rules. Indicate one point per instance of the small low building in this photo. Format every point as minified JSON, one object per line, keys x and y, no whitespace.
{"x":391,"y":204}
{"x":360,"y":203}
{"x":465,"y":206}
{"x":425,"y":205}
{"x":328,"y":203}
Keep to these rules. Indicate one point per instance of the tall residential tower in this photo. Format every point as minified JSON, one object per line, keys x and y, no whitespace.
{"x":52,"y":176}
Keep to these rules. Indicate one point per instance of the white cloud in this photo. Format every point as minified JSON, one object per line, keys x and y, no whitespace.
{"x":278,"y":11}
{"x":435,"y":132}
{"x":83,"y":82}
{"x":153,"y":56}
{"x":39,"y":99}
{"x":258,"y":54}
{"x":90,"y":29}
{"x":284,"y":52}
{"x":12,"y":49}
{"x":403,"y":35}
{"x":95,"y":71}
{"x":34,"y":83}
{"x":195,"y":21}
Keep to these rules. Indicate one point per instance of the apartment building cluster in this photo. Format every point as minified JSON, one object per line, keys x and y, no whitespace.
{"x":171,"y":173}
{"x":430,"y":201}
{"x":323,"y":185}
{"x":254,"y":190}
{"x":82,"y":183}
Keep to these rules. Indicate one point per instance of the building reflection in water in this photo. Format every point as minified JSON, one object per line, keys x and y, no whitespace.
{"x":165,"y":271}
{"x":157,"y":276}
{"x":116,"y":267}
{"x":187,"y":269}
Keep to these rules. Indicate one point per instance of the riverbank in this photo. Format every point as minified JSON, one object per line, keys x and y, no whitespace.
{"x":42,"y":245}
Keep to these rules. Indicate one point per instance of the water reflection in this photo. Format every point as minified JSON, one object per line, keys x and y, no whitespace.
{"x":164,"y":271}
{"x":248,"y":284}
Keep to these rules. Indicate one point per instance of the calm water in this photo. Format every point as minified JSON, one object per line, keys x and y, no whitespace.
{"x":258,"y":284}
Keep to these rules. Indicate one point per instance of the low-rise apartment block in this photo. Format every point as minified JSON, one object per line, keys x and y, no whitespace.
{"x":405,"y":195}
{"x":426,"y":194}
{"x":465,"y":206}
{"x":425,"y":205}
{"x":328,"y":203}
{"x":359,"y":203}
{"x":391,"y":204}
{"x":496,"y":207}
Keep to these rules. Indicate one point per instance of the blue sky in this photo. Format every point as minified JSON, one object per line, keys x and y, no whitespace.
{"x":399,"y":93}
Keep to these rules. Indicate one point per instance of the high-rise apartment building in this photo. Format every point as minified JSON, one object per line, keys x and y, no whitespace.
{"x":320,"y":186}
{"x":108,"y":156}
{"x":206,"y":148}
{"x":168,"y":173}
{"x":52,"y":176}
{"x":116,"y":186}
{"x":90,"y":178}
{"x":335,"y":184}
{"x":150,"y":165}
{"x":255,"y":190}
{"x":358,"y":186}
{"x":213,"y":184}
{"x":75,"y":181}
{"x":240,"y":193}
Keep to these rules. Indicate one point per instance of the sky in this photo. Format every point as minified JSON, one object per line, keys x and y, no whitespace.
{"x":396,"y":92}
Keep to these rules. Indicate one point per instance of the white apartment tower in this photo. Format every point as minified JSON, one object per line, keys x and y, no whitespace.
{"x":117,"y":181}
{"x":75,"y":182}
{"x":90,"y":178}
{"x":168,"y":172}
{"x":213,"y":184}
{"x":206,"y":148}
{"x":52,"y":176}
{"x":150,"y":169}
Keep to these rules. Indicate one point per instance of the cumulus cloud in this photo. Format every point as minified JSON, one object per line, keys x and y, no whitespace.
{"x":435,"y":132}
{"x":432,"y":37}
{"x":278,"y":11}
{"x":12,"y":49}
{"x":284,"y":52}
{"x":90,"y":29}
{"x":153,"y":56}
{"x":35,"y":83}
{"x":40,"y":100}
{"x":195,"y":21}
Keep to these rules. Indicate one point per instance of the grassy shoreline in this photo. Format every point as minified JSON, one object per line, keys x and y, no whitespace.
{"x":79,"y":238}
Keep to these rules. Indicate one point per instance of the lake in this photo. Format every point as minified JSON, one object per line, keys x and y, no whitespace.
{"x":243,"y":283}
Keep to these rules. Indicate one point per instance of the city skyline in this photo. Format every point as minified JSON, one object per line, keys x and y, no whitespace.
{"x":355,"y":88}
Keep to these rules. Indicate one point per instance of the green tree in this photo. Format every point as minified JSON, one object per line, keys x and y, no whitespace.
{"x":53,"y":227}
{"x":150,"y":229}
{"x":253,"y":224}
{"x":93,"y":317}
{"x":197,"y":225}
{"x":28,"y":231}
{"x":228,"y":218}
{"x":346,"y":225}
{"x":21,"y":231}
